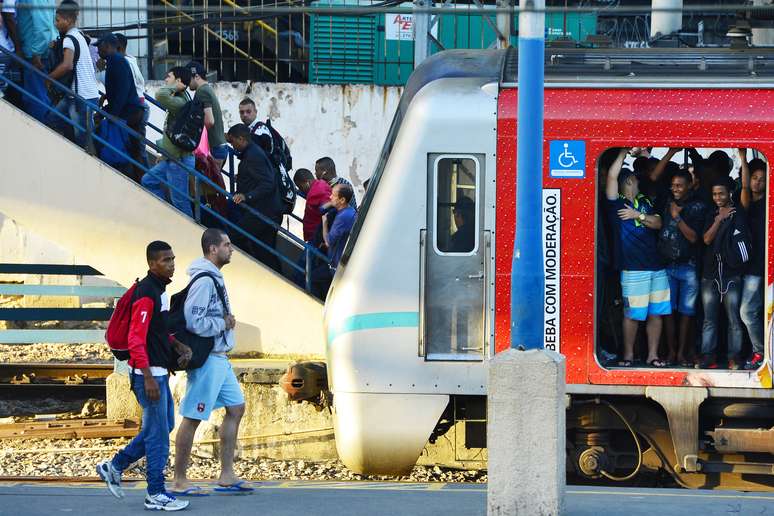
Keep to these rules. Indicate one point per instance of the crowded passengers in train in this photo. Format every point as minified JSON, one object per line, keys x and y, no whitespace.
{"x":681,"y":258}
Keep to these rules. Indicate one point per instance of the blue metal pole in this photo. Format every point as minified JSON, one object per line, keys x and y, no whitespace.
{"x":527,"y":280}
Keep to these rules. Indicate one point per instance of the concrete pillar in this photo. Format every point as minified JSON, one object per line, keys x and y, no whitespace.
{"x":121,"y":403}
{"x":663,"y":23}
{"x":526,"y":434}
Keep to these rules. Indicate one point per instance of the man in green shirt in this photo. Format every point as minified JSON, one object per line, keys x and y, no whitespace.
{"x":213,"y":118}
{"x":169,"y":174}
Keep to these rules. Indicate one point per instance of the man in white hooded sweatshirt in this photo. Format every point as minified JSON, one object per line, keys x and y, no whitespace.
{"x":213,"y":385}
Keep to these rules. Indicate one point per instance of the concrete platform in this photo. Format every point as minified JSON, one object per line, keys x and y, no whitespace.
{"x":292,"y":498}
{"x":272,"y":427}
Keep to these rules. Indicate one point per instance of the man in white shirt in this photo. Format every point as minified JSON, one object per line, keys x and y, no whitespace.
{"x":76,"y":63}
{"x":139,"y":80}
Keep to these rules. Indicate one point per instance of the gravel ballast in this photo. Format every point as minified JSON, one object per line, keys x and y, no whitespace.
{"x":77,"y":458}
{"x":59,"y":353}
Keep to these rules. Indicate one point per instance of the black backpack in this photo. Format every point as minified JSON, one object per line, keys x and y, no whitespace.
{"x":200,"y":346}
{"x":287,"y":190}
{"x":733,"y":243}
{"x":70,"y":79}
{"x":186,"y":130}
{"x":272,"y":142}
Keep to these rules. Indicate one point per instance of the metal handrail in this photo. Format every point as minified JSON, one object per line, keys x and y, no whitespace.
{"x":309,"y":250}
{"x":230,"y":173}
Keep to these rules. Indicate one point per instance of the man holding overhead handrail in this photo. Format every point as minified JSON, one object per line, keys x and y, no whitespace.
{"x":644,"y":281}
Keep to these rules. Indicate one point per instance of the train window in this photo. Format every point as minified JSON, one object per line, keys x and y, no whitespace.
{"x":671,"y":290}
{"x":456,"y":206}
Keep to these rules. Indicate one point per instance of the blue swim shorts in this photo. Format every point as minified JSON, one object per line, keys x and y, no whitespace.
{"x":214,"y":385}
{"x":645,"y":293}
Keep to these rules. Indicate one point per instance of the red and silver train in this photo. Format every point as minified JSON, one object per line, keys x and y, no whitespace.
{"x":417,"y":309}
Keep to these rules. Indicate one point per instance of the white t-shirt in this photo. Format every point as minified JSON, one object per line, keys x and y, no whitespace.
{"x":7,"y":6}
{"x":85,"y":82}
{"x":139,"y":80}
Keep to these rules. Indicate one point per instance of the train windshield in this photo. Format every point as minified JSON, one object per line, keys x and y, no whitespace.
{"x":681,"y":257}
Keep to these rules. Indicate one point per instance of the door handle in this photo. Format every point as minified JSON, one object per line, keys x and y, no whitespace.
{"x":480,"y":275}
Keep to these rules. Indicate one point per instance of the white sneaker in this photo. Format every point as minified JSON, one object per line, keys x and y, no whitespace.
{"x":164,"y":502}
{"x":112,"y":478}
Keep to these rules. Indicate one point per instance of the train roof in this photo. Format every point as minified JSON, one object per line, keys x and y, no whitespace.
{"x":627,"y":68}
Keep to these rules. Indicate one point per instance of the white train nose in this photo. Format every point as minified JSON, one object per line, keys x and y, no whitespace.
{"x":383,"y":434}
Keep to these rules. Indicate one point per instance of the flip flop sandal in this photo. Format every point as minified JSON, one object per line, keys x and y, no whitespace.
{"x":238,"y":488}
{"x":625,"y":363}
{"x":657,"y":363}
{"x":191,"y":491}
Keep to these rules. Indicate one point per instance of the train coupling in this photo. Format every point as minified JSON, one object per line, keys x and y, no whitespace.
{"x":307,"y":381}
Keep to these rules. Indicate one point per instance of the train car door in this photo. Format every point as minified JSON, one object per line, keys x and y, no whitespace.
{"x":453,"y":255}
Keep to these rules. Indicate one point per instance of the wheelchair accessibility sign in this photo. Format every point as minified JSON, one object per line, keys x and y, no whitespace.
{"x":567,"y":159}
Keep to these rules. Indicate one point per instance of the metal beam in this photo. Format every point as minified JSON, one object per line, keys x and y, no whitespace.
{"x":55,"y":314}
{"x":51,"y":336}
{"x":421,"y":30}
{"x":10,"y":289}
{"x":504,"y":23}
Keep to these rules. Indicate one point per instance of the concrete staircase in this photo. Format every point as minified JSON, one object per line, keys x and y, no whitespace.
{"x":54,"y":189}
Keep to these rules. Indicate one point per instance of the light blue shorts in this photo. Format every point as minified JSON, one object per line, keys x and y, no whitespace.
{"x":645,"y":293}
{"x":214,"y":385}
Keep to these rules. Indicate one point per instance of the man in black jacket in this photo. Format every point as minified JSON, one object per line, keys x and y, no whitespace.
{"x":122,"y":100}
{"x":149,"y":356}
{"x":721,"y":282}
{"x":257,"y":187}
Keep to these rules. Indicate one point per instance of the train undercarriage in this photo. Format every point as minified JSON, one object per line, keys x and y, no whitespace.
{"x":678,"y":433}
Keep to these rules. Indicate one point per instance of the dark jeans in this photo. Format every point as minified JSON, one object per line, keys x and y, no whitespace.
{"x":136,"y":147}
{"x":711,"y":298}
{"x":75,"y":110}
{"x":169,"y":176}
{"x":751,"y":310}
{"x":158,"y":420}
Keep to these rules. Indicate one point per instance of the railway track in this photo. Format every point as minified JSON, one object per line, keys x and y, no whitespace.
{"x":49,"y":375}
{"x":44,"y":388}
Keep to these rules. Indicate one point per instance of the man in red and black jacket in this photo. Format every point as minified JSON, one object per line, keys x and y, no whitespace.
{"x":150,"y":349}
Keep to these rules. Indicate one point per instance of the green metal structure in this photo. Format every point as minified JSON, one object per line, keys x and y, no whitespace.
{"x":379,"y":48}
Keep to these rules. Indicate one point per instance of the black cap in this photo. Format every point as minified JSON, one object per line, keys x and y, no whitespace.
{"x":197,"y":69}
{"x":109,"y":39}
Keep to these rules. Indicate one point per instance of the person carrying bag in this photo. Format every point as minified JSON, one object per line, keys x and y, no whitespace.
{"x":201,"y":347}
